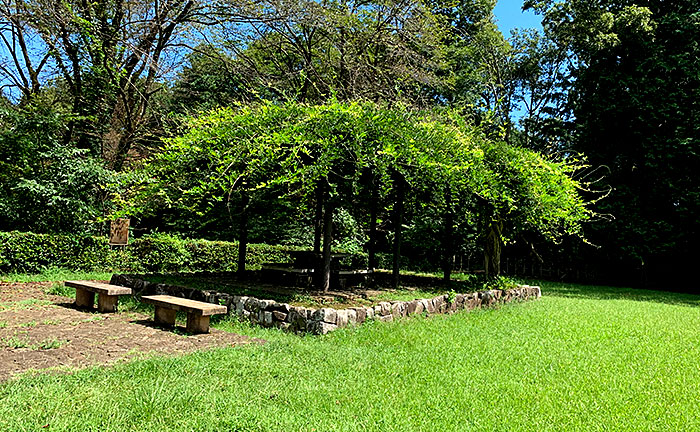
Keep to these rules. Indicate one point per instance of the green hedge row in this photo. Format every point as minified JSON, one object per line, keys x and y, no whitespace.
{"x":32,"y":253}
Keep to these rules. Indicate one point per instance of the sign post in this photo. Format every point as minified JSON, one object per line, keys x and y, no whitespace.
{"x":119,"y":232}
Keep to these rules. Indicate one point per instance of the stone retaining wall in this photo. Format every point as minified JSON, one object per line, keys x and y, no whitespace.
{"x":269,"y":313}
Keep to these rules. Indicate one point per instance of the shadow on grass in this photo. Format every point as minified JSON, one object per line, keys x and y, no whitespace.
{"x":597,"y":292}
{"x":284,"y":293}
{"x":72,"y":305}
{"x":127,"y":304}
{"x":133,"y":304}
{"x":229,"y":285}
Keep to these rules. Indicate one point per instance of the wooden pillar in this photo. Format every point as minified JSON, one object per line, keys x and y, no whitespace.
{"x":164,"y":316}
{"x":197,"y":323}
{"x":372,"y":247}
{"x":84,"y":298}
{"x":325,"y":279}
{"x":492,"y":249}
{"x":107,"y":303}
{"x":318,"y":218}
{"x":447,"y":236}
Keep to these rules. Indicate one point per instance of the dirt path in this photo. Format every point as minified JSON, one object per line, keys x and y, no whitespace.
{"x":40,"y":331}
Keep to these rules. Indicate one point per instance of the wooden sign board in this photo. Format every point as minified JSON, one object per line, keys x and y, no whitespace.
{"x":119,"y":232}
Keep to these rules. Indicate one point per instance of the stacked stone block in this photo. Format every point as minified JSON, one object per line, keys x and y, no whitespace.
{"x":269,"y":313}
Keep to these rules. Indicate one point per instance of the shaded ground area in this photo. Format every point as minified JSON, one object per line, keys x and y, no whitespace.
{"x":40,"y":330}
{"x":259,"y":286}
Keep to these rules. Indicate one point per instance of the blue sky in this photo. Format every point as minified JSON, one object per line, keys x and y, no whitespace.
{"x":509,"y":15}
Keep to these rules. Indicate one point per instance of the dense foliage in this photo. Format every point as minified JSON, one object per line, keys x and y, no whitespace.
{"x":635,"y":91}
{"x":362,"y":155}
{"x":47,"y":185}
{"x":33,"y":253}
{"x":87,"y":89}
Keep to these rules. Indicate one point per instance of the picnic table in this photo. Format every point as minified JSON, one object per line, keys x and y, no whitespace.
{"x":312,"y":260}
{"x":306,"y":263}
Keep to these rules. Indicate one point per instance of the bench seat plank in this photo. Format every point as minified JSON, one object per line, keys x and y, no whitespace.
{"x":185,"y":305}
{"x":100,"y":288}
{"x":108,"y":295}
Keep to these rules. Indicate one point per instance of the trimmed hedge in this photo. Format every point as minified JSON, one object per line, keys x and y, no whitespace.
{"x":31,"y":253}
{"x":22,"y":252}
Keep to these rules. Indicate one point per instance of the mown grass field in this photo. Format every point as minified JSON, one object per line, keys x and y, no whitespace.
{"x":579,"y":359}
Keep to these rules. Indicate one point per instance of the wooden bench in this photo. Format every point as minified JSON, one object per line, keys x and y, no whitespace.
{"x":107,"y":295}
{"x":198,"y":313}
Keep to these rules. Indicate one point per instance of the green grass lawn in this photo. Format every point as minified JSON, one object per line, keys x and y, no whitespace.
{"x":579,"y":359}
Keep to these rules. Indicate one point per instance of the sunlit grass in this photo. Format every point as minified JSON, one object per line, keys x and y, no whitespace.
{"x":55,"y":275}
{"x":579,"y":359}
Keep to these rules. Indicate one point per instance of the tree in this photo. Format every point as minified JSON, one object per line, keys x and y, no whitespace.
{"x":635,"y":104}
{"x":529,"y":194}
{"x":210,"y":79}
{"x":313,"y":51}
{"x":45,"y":184}
{"x":479,"y":75}
{"x":540,"y":75}
{"x":107,"y":56}
{"x":294,"y":148}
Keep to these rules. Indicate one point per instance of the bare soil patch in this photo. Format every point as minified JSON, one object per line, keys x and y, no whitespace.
{"x":40,"y":331}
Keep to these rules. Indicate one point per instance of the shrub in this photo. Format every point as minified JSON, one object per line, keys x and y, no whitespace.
{"x":22,"y":252}
{"x":32,"y":253}
{"x":46,"y":184}
{"x":212,"y":255}
{"x":161,"y":252}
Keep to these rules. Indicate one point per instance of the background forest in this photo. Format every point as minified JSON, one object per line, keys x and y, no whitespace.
{"x":92,"y":89}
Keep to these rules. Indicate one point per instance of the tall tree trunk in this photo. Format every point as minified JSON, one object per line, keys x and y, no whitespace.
{"x":447,"y":239}
{"x":325,"y":279}
{"x":242,"y":237}
{"x":398,"y":222}
{"x":492,"y":249}
{"x":372,"y":246}
{"x":318,"y":218}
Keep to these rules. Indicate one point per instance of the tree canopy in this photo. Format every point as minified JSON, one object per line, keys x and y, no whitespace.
{"x":294,"y":148}
{"x":634,"y":98}
{"x":89,"y":89}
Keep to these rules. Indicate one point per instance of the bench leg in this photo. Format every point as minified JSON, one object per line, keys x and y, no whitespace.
{"x":165,"y":316}
{"x":197,"y":323}
{"x":84,"y":298}
{"x":107,"y":303}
